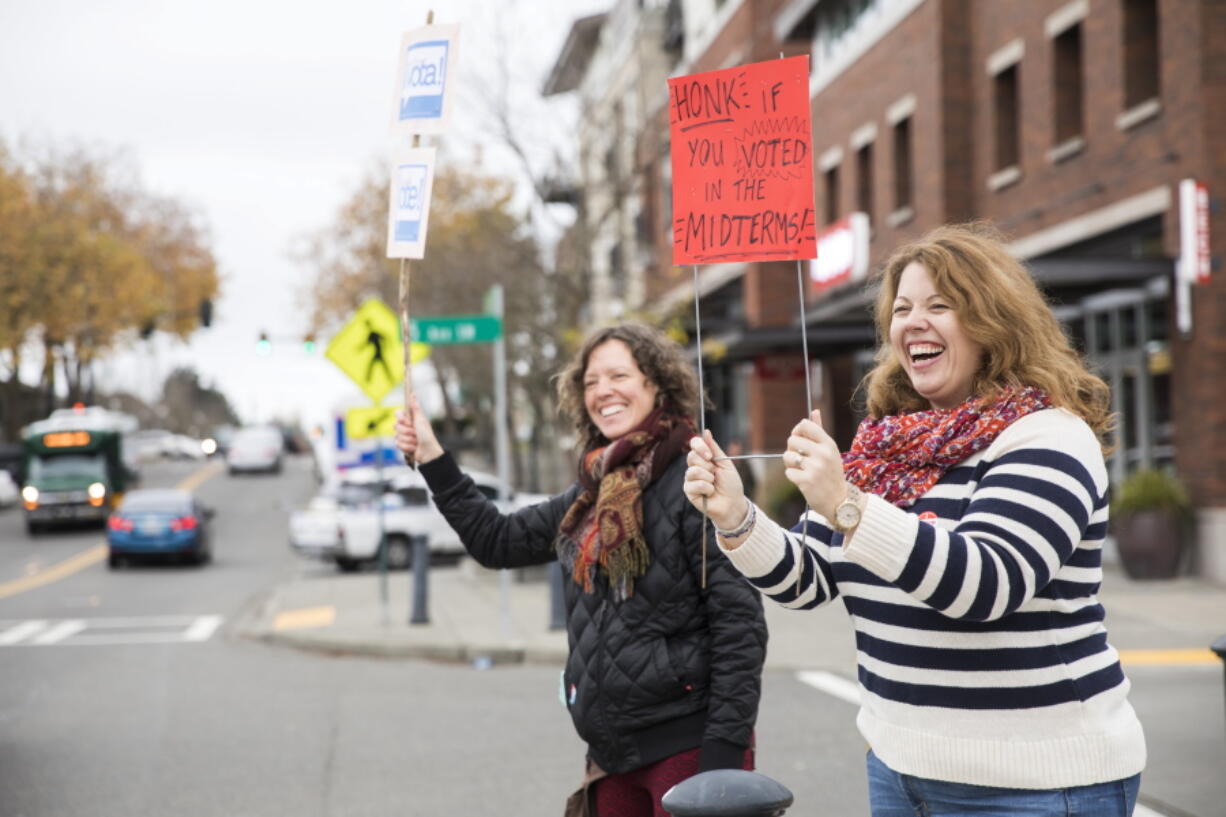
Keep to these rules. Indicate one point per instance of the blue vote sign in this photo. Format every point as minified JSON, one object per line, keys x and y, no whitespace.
{"x":424,"y":77}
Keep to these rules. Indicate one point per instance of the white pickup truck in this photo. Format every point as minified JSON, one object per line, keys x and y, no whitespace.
{"x":342,"y":525}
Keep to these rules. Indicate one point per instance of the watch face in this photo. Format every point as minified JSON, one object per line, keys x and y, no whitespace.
{"x":847,"y":515}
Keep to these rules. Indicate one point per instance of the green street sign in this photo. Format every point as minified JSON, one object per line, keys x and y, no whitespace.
{"x":454,"y":329}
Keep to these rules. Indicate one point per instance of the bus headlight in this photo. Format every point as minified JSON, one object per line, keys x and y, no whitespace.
{"x":96,"y":492}
{"x":29,"y":495}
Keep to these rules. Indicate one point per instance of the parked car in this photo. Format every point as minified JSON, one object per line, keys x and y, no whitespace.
{"x":408,"y":510}
{"x":8,"y":489}
{"x":160,"y":522}
{"x":315,"y":530}
{"x":255,"y":448}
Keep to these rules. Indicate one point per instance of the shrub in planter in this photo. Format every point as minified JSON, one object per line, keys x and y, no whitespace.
{"x":784,"y":502}
{"x":1149,"y":514}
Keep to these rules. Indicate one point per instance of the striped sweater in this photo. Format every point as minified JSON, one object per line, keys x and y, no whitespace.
{"x":982,"y":653}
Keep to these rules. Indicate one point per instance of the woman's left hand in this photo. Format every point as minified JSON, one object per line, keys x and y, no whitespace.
{"x":813,"y":463}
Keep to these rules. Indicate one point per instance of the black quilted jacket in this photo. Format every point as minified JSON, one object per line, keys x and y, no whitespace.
{"x":672,"y":668}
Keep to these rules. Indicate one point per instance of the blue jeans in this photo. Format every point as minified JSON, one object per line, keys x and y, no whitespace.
{"x":892,"y":794}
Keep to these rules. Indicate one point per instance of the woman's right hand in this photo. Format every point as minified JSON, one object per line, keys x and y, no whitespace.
{"x":416,"y":439}
{"x":716,"y":482}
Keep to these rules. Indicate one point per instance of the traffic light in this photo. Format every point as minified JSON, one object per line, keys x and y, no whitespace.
{"x":263,"y":346}
{"x":308,"y":344}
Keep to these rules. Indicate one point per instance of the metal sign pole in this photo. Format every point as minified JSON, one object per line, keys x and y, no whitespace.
{"x":502,"y":448}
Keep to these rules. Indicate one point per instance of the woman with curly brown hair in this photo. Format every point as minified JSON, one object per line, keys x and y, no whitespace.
{"x":664,"y":672}
{"x":963,"y":530}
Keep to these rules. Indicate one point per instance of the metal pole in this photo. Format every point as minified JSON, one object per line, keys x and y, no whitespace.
{"x":420,"y":613}
{"x":1219,"y":647}
{"x":557,"y":604}
{"x":502,"y":450}
{"x":702,"y":415}
{"x":382,"y":533}
{"x":804,"y":340}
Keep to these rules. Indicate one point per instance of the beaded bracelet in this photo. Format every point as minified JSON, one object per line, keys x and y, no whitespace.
{"x":745,"y":527}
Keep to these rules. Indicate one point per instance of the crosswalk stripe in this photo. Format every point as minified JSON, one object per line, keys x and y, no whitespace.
{"x":832,"y":684}
{"x":21,"y":631}
{"x":104,"y":631}
{"x":202,"y":629}
{"x":59,"y":632}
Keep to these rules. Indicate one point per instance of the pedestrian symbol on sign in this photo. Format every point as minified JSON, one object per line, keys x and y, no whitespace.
{"x":369,"y":350}
{"x":375,"y":340}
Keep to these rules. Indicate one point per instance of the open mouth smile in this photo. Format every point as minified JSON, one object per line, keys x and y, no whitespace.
{"x":922,"y":353}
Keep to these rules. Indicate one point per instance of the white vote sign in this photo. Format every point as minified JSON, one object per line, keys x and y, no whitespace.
{"x":424,"y":80}
{"x":409,"y":204}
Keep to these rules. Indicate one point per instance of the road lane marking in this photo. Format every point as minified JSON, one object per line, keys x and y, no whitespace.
{"x":1199,"y":655}
{"x":832,"y":684}
{"x":21,"y":631}
{"x":87,"y":558}
{"x":59,"y":632}
{"x":107,"y":631}
{"x":198,"y":478}
{"x":304,"y":618}
{"x":60,"y":570}
{"x":202,"y":629}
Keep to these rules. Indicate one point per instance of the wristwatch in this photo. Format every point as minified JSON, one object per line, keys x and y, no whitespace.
{"x":847,"y":513}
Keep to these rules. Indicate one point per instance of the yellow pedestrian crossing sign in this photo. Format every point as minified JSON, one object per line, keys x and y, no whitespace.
{"x":362,"y":423}
{"x":368,"y":349}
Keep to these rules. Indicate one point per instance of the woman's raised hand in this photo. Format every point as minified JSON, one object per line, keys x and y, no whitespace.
{"x":416,"y":439}
{"x":813,"y":463}
{"x":717,"y":482}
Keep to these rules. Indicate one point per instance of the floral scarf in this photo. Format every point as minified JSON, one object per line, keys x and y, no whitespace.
{"x":902,"y":456}
{"x":604,"y":525}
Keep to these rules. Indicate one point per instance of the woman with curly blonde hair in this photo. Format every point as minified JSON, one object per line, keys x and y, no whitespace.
{"x":664,"y":673}
{"x":964,"y":531}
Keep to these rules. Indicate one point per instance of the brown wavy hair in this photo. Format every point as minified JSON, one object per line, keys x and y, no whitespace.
{"x":658,"y":356}
{"x":1002,"y":309}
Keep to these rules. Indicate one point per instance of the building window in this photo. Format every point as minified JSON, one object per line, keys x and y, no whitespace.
{"x":864,"y":180}
{"x":1005,"y":106}
{"x":1140,"y":51}
{"x":1070,"y":83}
{"x":832,"y":194}
{"x":902,"y":165}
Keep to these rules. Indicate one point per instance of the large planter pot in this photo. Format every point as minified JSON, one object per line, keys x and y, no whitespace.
{"x":1150,"y":544}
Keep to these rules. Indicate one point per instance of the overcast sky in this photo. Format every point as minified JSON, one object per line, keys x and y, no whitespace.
{"x":263,"y":116}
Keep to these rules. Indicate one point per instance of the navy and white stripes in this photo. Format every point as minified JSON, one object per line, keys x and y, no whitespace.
{"x":982,"y":653}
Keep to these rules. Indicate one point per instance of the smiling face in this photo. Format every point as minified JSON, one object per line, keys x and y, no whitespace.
{"x":616,"y":393}
{"x":929,"y":341}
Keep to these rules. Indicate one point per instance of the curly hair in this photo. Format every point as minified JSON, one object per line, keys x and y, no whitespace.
{"x":999,"y":307}
{"x":660,"y":358}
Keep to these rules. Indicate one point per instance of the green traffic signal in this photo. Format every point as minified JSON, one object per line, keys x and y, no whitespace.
{"x":308,"y":344}
{"x":263,"y":346}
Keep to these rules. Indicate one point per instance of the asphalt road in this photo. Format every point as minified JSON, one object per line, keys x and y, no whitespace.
{"x":151,"y":706}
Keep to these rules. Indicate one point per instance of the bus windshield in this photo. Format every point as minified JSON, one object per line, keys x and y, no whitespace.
{"x":91,"y":466}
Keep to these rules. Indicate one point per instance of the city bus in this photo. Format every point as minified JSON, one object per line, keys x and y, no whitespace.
{"x":72,"y":469}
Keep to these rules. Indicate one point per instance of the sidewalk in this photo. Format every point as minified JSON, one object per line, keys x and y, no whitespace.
{"x":1175,"y":619}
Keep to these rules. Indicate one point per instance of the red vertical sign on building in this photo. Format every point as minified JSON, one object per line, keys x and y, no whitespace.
{"x":742,"y":156}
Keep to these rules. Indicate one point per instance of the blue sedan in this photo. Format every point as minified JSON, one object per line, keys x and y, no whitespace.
{"x":159,"y":522}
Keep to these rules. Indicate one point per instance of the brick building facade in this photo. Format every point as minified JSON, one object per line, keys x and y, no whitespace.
{"x":1068,"y":123}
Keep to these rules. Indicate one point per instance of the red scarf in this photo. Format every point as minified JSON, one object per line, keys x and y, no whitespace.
{"x":604,"y":525}
{"x":902,"y":456}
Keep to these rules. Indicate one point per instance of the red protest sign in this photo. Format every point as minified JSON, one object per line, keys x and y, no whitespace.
{"x":742,"y":155}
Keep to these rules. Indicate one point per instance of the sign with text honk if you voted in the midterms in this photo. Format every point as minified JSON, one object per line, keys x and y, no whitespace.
{"x":424,"y":84}
{"x":408,"y":211}
{"x":742,"y":160}
{"x":369,"y":350}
